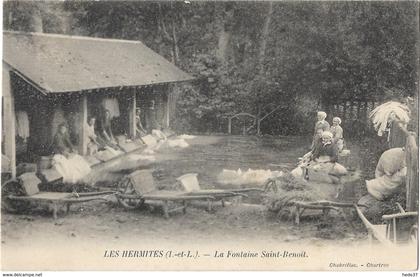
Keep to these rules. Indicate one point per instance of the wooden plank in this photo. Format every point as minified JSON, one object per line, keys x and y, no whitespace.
{"x":132,"y":115}
{"x":83,"y":114}
{"x":175,"y":197}
{"x":399,"y":215}
{"x":9,"y":118}
{"x":323,"y":203}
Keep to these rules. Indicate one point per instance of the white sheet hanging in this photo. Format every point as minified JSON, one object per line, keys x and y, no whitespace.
{"x":58,"y":118}
{"x":22,"y":124}
{"x":111,"y":104}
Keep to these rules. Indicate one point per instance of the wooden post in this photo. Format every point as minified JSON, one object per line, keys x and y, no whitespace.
{"x":394,"y":229}
{"x":168,"y":109}
{"x":412,"y":178}
{"x":132,"y":115}
{"x":9,"y":118}
{"x":83,"y":140}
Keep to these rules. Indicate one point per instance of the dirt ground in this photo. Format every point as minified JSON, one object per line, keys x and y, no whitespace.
{"x":100,"y":222}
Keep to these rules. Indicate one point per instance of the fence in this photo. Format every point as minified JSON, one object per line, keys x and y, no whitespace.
{"x":354,"y":115}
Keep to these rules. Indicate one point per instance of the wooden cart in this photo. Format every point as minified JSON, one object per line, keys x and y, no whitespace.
{"x":14,"y":198}
{"x":398,"y":228}
{"x":139,"y":187}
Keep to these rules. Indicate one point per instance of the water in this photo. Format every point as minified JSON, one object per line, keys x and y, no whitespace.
{"x":209,"y":155}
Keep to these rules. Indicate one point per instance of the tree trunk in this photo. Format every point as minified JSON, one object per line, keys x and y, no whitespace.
{"x":264,"y":37}
{"x":172,"y":38}
{"x":66,"y":22}
{"x":261,"y":56}
{"x":175,"y":46}
{"x":224,"y":38}
{"x":9,"y":21}
{"x":36,"y":21}
{"x":224,"y":35}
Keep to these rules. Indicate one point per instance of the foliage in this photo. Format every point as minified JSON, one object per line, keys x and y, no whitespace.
{"x":315,"y":51}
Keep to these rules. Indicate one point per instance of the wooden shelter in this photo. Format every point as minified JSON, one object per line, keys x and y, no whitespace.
{"x":45,"y":75}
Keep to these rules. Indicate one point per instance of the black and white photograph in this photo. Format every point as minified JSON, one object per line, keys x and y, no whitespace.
{"x":209,"y":135}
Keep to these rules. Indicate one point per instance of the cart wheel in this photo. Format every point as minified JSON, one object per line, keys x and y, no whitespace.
{"x":414,"y":230}
{"x":125,"y":187}
{"x":9,"y":188}
{"x":130,"y":204}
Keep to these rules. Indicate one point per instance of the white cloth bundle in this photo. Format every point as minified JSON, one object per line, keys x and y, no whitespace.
{"x":158,"y":134}
{"x":73,"y":169}
{"x":181,"y":143}
{"x":184,"y":136}
{"x":149,"y":140}
{"x":257,"y":177}
{"x":389,"y":174}
{"x":107,"y":154}
{"x":385,"y":185}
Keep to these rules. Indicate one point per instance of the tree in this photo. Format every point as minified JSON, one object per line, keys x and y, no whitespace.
{"x":250,"y":55}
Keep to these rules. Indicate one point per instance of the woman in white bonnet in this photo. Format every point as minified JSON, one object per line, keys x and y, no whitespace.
{"x":321,"y":123}
{"x":320,"y":126}
{"x":326,"y":151}
{"x":325,"y":156}
{"x":337,"y":132}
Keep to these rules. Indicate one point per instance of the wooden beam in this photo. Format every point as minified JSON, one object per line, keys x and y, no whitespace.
{"x":9,"y":118}
{"x":132,"y":115}
{"x":83,"y":114}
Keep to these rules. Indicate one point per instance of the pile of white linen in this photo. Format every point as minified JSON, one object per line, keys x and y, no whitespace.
{"x":255,"y":177}
{"x":184,"y":136}
{"x":73,"y":168}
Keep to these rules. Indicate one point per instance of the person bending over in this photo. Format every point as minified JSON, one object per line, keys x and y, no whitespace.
{"x":61,"y":143}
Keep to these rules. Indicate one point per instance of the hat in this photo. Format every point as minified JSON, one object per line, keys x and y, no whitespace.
{"x":337,"y":119}
{"x":323,"y":114}
{"x":327,"y":134}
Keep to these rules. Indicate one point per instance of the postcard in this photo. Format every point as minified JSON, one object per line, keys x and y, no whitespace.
{"x":210,"y":135}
